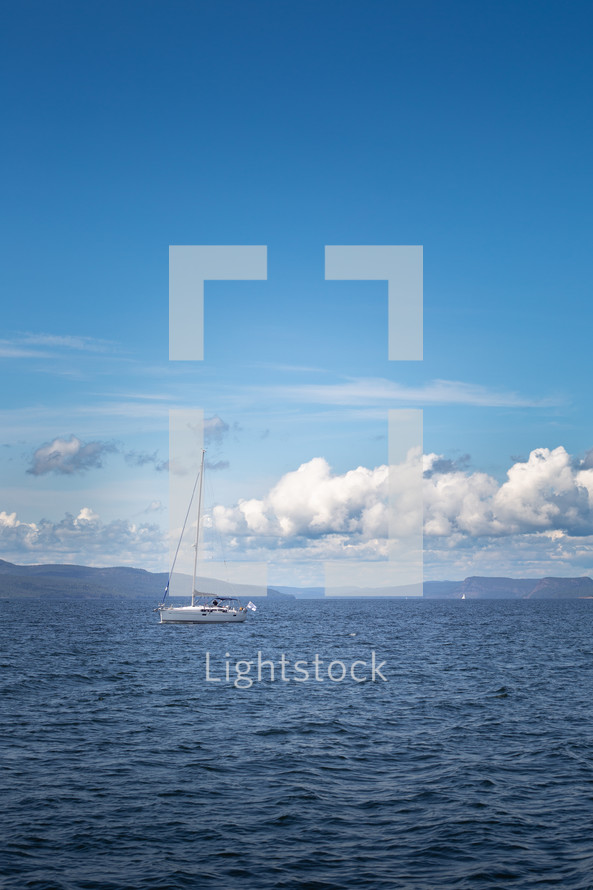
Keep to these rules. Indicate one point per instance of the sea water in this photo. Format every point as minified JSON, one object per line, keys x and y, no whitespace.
{"x":132,"y":757}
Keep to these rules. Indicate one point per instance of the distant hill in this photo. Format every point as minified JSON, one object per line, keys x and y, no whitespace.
{"x":440,"y":588}
{"x":87,"y":582}
{"x":302,"y":592}
{"x":496,"y":588}
{"x":477,"y":587}
{"x":562,"y":588}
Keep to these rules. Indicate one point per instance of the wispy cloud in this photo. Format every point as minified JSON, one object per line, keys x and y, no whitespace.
{"x":66,"y":341}
{"x":217,"y":464}
{"x":39,"y":419}
{"x":28,"y":345}
{"x":279,"y":366}
{"x":141,"y":459}
{"x":155,"y":507}
{"x":215,"y":429}
{"x":144,"y":396}
{"x":9,"y":349}
{"x":379,"y":390}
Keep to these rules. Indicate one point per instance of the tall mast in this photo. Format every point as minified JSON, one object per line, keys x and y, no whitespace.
{"x":193,"y":586}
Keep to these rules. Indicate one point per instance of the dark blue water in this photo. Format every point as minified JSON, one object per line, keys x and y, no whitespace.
{"x":471,"y":766}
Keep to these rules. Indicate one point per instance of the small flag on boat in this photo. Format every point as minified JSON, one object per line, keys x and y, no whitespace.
{"x":251,"y":606}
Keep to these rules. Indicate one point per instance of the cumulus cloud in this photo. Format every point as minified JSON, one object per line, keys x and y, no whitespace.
{"x":544,"y":493}
{"x":538,"y":519}
{"x":546,"y":501}
{"x":67,"y":456}
{"x":83,"y":538}
{"x":311,"y":502}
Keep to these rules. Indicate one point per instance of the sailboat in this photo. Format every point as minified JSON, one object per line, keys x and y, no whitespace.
{"x":204,"y":608}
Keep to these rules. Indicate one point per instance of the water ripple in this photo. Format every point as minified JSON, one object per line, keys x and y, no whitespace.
{"x":470,"y":768}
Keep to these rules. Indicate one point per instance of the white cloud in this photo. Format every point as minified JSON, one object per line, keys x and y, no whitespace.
{"x":67,"y":456}
{"x":83,"y":538}
{"x":544,"y":493}
{"x":313,"y":502}
{"x":538,"y":520}
{"x":542,"y":513}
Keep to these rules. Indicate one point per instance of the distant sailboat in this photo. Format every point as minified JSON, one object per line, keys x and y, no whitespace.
{"x":204,"y":608}
{"x":463,"y":596}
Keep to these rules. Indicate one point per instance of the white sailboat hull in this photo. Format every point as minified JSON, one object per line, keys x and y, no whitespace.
{"x":201,"y":615}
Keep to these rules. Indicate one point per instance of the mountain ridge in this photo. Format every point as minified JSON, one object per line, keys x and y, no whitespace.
{"x":87,"y":582}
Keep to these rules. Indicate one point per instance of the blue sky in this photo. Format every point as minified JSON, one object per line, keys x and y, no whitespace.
{"x":459,"y":126}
